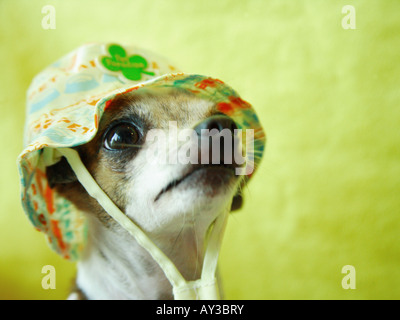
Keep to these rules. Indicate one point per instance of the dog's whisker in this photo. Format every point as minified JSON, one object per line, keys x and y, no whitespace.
{"x":125,"y":145}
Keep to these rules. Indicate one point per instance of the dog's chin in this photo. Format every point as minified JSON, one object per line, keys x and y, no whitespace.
{"x":195,"y":196}
{"x":199,"y":195}
{"x":205,"y":182}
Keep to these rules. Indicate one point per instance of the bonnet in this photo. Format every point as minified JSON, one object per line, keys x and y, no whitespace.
{"x":65,"y":103}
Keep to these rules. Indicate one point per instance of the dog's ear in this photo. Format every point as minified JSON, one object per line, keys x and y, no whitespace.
{"x":61,"y":172}
{"x":237,"y":202}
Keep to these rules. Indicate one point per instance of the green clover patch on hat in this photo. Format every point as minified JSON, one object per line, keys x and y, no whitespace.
{"x":131,"y":67}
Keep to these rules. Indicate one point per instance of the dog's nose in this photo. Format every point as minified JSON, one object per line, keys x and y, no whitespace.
{"x":224,"y":135}
{"x":218,"y":122}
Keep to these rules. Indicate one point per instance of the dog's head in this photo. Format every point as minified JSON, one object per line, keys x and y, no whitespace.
{"x":159,"y":181}
{"x":106,"y":101}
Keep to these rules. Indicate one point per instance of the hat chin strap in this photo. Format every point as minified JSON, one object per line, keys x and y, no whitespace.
{"x":205,"y":288}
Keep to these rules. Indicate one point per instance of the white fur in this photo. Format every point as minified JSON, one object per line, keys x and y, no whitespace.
{"x":177,"y":223}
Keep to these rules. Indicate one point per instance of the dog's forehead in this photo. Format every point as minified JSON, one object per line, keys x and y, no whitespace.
{"x":158,"y":106}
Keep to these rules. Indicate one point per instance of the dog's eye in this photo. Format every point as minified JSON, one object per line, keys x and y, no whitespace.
{"x":121,"y":136}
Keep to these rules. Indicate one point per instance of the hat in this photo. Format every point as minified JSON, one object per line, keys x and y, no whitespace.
{"x":65,"y":103}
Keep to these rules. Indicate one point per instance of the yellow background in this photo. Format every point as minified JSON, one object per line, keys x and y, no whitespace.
{"x":327,"y":193}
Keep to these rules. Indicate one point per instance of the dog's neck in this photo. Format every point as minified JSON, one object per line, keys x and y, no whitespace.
{"x":115,"y":266}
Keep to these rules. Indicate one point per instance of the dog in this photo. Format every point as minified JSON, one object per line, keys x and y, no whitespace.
{"x":173,"y":203}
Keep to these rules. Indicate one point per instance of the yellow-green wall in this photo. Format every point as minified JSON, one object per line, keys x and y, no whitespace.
{"x":327,"y":193}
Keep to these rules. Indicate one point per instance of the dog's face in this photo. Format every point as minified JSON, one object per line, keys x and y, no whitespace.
{"x":158,"y":195}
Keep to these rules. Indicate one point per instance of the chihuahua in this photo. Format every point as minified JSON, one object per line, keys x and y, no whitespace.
{"x":173,"y":203}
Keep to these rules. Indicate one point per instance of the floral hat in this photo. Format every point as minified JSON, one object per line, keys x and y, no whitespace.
{"x":65,"y":103}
